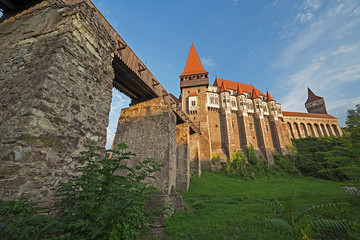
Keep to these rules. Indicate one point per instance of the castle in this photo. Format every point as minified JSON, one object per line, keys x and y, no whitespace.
{"x":232,"y":116}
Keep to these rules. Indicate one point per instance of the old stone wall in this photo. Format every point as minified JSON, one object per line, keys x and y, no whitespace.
{"x":300,"y":127}
{"x":194,"y":153}
{"x":55,"y":93}
{"x":149,"y":130}
{"x":182,"y":157}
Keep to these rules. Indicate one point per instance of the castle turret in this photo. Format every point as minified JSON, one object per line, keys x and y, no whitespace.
{"x":194,"y":73}
{"x":224,"y":97}
{"x":315,"y":104}
{"x":193,"y":84}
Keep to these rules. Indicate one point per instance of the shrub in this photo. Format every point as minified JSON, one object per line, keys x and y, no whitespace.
{"x":215,"y":162}
{"x":100,"y":204}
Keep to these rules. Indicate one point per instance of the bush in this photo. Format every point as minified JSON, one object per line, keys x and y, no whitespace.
{"x":99,"y":204}
{"x":285,"y":164}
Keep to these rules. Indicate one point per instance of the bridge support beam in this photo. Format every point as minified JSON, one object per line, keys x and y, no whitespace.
{"x":55,"y":94}
{"x":149,"y":130}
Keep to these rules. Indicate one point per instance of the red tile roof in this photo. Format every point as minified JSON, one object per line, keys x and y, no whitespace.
{"x":174,"y":98}
{"x":193,"y":64}
{"x":193,"y":94}
{"x":239,"y":90}
{"x":312,"y":97}
{"x":254,"y":94}
{"x":233,"y":85}
{"x":269,"y":97}
{"x":313,"y":115}
{"x":223,"y":88}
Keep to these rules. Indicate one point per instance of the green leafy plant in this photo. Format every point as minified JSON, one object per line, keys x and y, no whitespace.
{"x":20,"y":219}
{"x":297,"y":225}
{"x":215,"y":162}
{"x":100,"y":204}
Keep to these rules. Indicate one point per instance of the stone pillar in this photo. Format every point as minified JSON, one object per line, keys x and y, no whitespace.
{"x":194,"y":154}
{"x":149,"y":130}
{"x":264,"y":138}
{"x":182,"y":157}
{"x":55,"y":93}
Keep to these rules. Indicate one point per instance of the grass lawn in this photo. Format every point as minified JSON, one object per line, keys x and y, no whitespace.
{"x":219,"y":207}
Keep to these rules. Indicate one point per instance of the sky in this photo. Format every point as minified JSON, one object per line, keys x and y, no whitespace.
{"x":283,"y":46}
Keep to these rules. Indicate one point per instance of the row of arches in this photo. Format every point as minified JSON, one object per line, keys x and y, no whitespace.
{"x":301,"y":130}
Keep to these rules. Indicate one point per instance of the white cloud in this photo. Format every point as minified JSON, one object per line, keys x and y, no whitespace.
{"x":322,"y":55}
{"x":345,"y":49}
{"x":307,"y":9}
{"x":208,"y":62}
{"x":119,"y":101}
{"x":272,"y":4}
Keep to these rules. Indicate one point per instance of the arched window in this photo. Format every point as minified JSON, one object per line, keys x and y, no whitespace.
{"x":329,"y":130}
{"x":311,"y":129}
{"x":297,"y":130}
{"x":324,"y":130}
{"x":318,"y":130}
{"x":336,"y":131}
{"x":304,"y":129}
{"x":291,"y":130}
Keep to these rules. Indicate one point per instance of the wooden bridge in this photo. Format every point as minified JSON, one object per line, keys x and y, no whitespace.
{"x":132,"y":77}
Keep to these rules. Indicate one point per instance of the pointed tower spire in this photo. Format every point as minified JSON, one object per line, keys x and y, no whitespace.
{"x":254,"y":94}
{"x":269,"y":97}
{"x":312,"y":97}
{"x":239,"y":90}
{"x":223,"y":88}
{"x":193,"y":64}
{"x":194,"y":74}
{"x":314,"y":103}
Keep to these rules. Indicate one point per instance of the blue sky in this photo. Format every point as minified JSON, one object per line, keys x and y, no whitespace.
{"x":282,"y":45}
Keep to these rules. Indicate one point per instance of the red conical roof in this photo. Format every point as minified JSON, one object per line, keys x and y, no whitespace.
{"x":239,"y":90}
{"x":269,"y":97}
{"x":254,"y":94}
{"x":312,"y":97}
{"x":223,"y":88}
{"x":193,"y":64}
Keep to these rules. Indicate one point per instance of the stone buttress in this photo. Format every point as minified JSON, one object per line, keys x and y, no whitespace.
{"x":55,"y":93}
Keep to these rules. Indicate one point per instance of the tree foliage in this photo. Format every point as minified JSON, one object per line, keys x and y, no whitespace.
{"x":331,"y":157}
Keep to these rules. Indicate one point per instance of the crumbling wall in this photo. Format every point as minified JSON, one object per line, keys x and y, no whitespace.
{"x":55,"y":93}
{"x":149,"y":130}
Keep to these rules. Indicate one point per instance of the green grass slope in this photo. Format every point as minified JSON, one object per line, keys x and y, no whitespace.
{"x":219,"y":207}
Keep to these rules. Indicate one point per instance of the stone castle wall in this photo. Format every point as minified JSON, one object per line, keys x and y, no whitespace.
{"x":149,"y":129}
{"x":55,"y":93}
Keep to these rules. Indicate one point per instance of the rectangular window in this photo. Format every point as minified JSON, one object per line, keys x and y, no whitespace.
{"x":251,"y":126}
{"x":193,"y":103}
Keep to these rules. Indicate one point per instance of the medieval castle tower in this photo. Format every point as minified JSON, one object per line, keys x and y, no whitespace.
{"x":233,"y":116}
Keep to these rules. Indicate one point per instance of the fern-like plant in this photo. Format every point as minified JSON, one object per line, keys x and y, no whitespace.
{"x":295,"y":225}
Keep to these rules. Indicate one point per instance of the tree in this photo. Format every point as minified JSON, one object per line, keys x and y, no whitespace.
{"x":353,"y":117}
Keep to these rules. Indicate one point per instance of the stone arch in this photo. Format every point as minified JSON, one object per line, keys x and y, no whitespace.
{"x":329,"y":130}
{"x":297,"y":130}
{"x":336,"y":130}
{"x":324,"y":130}
{"x":318,"y":130}
{"x":304,"y":129}
{"x":291,"y":130}
{"x":310,"y":127}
